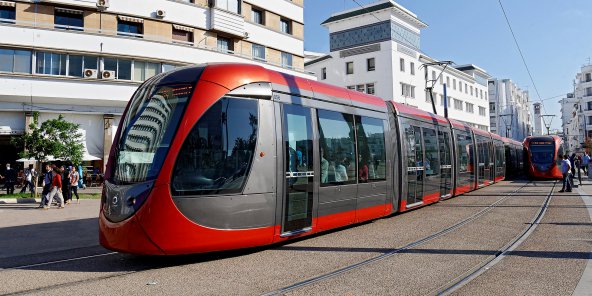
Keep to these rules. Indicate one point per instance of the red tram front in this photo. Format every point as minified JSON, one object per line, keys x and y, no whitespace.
{"x":543,"y":156}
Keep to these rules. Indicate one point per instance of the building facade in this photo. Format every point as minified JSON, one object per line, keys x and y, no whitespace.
{"x":85,"y":58}
{"x":376,"y":49}
{"x":583,"y":94}
{"x":510,"y":110}
{"x":571,"y":124}
{"x":538,"y":123}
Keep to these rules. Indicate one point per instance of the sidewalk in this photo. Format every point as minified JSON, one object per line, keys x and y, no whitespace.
{"x":585,"y":191}
{"x":13,"y":200}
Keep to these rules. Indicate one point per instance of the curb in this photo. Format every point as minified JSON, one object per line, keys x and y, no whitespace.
{"x":19,"y":200}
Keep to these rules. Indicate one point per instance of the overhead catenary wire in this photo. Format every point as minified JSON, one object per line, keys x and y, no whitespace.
{"x":521,"y":53}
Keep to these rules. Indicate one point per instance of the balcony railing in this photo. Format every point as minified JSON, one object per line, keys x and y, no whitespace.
{"x":144,"y":37}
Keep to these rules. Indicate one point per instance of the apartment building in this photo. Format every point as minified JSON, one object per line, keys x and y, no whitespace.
{"x":85,"y":58}
{"x":510,"y":110}
{"x":376,"y":49}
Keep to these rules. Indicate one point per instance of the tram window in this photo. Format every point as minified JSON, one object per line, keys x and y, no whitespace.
{"x":338,"y":151}
{"x":217,"y":155}
{"x":432,"y":159}
{"x":371,"y":151}
{"x":464,"y":148}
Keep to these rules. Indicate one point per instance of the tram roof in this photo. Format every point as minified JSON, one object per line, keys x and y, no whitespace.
{"x":403,"y":109}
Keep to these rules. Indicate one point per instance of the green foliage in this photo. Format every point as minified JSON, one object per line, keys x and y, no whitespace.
{"x":56,"y":137}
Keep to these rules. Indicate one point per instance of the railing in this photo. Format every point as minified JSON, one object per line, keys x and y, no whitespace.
{"x":145,"y":37}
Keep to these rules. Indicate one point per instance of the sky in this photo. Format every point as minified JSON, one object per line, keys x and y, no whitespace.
{"x":555,"y":38}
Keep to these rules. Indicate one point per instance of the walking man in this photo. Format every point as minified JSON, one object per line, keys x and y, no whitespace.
{"x":566,"y":171}
{"x":56,"y":189}
{"x":74,"y":177}
{"x":10,"y":176}
{"x":47,"y":178}
{"x":30,"y":179}
{"x":585,"y":163}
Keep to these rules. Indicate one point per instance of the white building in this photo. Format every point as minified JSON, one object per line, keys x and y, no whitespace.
{"x":376,"y":49}
{"x":538,"y":123}
{"x":510,"y":110}
{"x":583,"y":94}
{"x":85,"y":58}
{"x":571,"y":125}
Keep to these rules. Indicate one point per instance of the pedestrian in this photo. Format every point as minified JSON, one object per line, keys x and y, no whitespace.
{"x":66,"y":185}
{"x":10,"y":176}
{"x":47,"y":178}
{"x":566,"y":171}
{"x":585,"y":163}
{"x":578,"y":164}
{"x":56,"y":189}
{"x":30,"y":180}
{"x":74,"y":177}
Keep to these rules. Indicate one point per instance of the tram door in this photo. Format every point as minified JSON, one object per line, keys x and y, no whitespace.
{"x":415,"y":167}
{"x":298,"y":168}
{"x":445,"y":163}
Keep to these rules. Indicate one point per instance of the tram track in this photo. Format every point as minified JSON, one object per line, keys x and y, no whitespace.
{"x":400,"y":250}
{"x":491,"y":261}
{"x":151,"y":265}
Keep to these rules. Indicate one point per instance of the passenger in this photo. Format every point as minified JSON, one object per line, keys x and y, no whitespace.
{"x":566,"y":171}
{"x":56,"y":189}
{"x":324,"y":168}
{"x":363,"y":172}
{"x":341,"y":171}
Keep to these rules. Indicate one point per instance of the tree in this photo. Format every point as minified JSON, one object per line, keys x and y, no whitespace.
{"x":56,"y":137}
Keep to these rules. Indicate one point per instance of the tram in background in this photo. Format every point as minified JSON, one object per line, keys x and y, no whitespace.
{"x":226,"y":156}
{"x":543,"y":156}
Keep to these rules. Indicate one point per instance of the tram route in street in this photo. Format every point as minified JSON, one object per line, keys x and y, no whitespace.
{"x":393,"y":252}
{"x":481,"y":268}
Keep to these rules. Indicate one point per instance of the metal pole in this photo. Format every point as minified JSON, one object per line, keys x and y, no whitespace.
{"x":445,"y":102}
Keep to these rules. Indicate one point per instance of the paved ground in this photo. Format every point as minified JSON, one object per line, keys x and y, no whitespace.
{"x":550,"y":262}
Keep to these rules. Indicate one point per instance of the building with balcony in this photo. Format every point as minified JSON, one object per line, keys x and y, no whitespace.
{"x":571,"y":122}
{"x":85,"y":58}
{"x":376,"y":49}
{"x":510,"y":111}
{"x":583,"y":94}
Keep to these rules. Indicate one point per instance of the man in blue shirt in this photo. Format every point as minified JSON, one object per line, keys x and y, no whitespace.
{"x":585,"y":163}
{"x":566,"y":171}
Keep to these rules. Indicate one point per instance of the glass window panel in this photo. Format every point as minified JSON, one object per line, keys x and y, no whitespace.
{"x":22,"y":61}
{"x":139,"y":71}
{"x":151,"y":69}
{"x":6,"y":60}
{"x":110,"y":64}
{"x":432,"y":162}
{"x":7,"y":14}
{"x":338,"y":154}
{"x":68,"y":21}
{"x":91,"y":63}
{"x":75,"y":66}
{"x":258,"y":52}
{"x":124,"y":70}
{"x":234,"y":6}
{"x":168,"y":67}
{"x":286,"y":60}
{"x":371,"y":151}
{"x":217,"y":155}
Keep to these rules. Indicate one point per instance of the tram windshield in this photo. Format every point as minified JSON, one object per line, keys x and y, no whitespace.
{"x":542,"y":153}
{"x":149,"y":126}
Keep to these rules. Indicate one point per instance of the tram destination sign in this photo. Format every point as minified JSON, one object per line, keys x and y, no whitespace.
{"x":541,"y":143}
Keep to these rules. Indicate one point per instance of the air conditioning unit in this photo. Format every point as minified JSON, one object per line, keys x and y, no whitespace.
{"x":102,"y":4}
{"x":160,"y":13}
{"x":90,"y":73}
{"x":105,"y":74}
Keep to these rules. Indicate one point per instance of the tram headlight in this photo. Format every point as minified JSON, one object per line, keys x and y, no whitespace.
{"x":122,"y":201}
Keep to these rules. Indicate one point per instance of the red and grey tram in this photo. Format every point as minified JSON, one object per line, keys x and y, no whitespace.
{"x":227,"y":156}
{"x":544,"y":156}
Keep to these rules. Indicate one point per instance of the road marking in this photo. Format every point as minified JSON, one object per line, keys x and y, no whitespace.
{"x":584,"y":287}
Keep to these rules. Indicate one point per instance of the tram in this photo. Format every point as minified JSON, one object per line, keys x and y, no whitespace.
{"x":225,"y":156}
{"x":543,"y":155}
